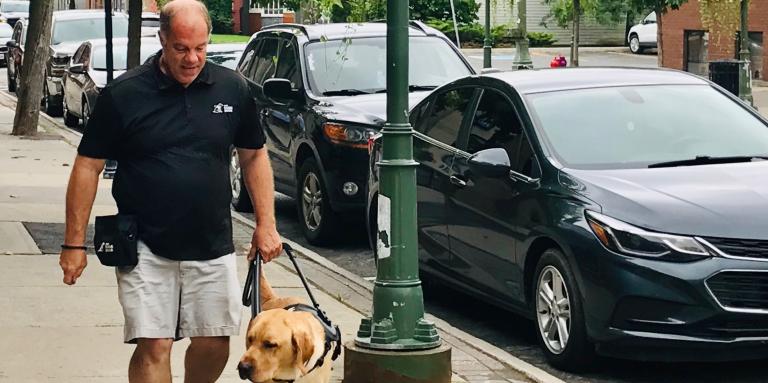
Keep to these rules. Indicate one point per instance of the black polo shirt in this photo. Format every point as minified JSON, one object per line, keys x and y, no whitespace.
{"x":172,"y":145}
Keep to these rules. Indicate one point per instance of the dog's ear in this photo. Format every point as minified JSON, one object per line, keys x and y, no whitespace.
{"x":303,"y":348}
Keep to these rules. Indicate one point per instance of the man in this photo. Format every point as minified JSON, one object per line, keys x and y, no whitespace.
{"x":170,"y":124}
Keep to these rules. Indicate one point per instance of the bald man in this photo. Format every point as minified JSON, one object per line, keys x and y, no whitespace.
{"x":171,"y":123}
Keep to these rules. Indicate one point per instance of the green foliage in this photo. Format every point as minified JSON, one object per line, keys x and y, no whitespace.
{"x":221,"y":15}
{"x":161,"y":3}
{"x":466,"y":10}
{"x":660,"y":6}
{"x":541,"y":39}
{"x":223,"y":39}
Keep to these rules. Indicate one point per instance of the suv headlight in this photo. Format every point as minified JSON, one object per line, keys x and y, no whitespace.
{"x":347,"y":135}
{"x":633,"y":241}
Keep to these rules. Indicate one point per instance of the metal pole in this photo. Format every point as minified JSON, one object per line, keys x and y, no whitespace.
{"x":455,"y":25}
{"x":108,"y":36}
{"x":745,"y":74}
{"x":522,"y":56}
{"x":397,"y":321}
{"x":487,"y":41}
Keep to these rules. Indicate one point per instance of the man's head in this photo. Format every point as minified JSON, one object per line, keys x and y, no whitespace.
{"x":185,"y":27}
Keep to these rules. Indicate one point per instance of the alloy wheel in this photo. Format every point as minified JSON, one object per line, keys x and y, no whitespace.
{"x":553,"y":310}
{"x":312,"y":201}
{"x":634,"y":44}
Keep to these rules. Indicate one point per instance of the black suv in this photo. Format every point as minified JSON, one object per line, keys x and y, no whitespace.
{"x":322,"y":91}
{"x":69,"y":29}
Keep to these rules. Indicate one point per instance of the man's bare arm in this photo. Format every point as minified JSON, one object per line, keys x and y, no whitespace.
{"x":257,"y":173}
{"x":81,"y":192}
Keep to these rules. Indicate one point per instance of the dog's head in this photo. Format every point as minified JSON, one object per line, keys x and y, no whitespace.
{"x":278,"y":345}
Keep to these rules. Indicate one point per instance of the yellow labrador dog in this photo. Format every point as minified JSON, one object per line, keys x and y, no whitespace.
{"x":284,"y":345}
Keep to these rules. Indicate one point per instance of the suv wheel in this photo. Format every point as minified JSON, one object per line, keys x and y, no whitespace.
{"x":318,"y":221}
{"x":559,"y":314}
{"x":70,"y":119}
{"x":634,"y":45}
{"x":241,"y":201}
{"x":49,"y":104}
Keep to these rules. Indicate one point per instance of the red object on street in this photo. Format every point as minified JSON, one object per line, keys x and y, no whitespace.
{"x":558,"y":62}
{"x":563,"y":61}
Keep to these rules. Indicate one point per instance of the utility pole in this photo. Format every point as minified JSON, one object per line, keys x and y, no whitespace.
{"x":522,"y":56}
{"x":487,"y":41}
{"x":396,"y":344}
{"x":745,"y":74}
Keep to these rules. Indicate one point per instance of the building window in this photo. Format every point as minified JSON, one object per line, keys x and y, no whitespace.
{"x":696,"y":52}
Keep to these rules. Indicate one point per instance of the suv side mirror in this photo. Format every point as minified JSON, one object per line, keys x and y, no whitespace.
{"x":11,"y":44}
{"x":492,"y":162}
{"x":76,"y":69}
{"x":280,"y":90}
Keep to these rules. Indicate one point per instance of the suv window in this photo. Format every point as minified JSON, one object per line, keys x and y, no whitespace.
{"x":247,"y":66}
{"x":267,"y":60}
{"x":495,"y":124}
{"x":17,"y":35}
{"x":77,"y":57}
{"x":445,"y":119}
{"x":287,"y":65}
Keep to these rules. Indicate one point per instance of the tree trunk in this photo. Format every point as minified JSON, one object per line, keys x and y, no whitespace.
{"x":134,"y":33}
{"x":628,"y":25}
{"x":72,"y":4}
{"x":576,"y":32}
{"x":659,"y":37}
{"x":33,"y":70}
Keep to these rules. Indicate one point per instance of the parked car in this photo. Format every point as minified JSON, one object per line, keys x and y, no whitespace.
{"x":150,"y":24}
{"x":226,"y":55}
{"x":6,"y":31}
{"x":15,"y":55}
{"x":12,"y":11}
{"x":69,"y":29}
{"x":623,"y":210}
{"x":86,"y":74}
{"x":644,"y":35}
{"x":324,"y":90}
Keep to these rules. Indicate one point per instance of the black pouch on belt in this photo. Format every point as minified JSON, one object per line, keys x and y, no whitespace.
{"x":116,"y":240}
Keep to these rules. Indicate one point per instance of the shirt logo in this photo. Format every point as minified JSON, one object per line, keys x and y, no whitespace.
{"x":222,"y":108}
{"x":106,"y":247}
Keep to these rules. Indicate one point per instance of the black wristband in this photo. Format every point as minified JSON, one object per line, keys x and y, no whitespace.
{"x":68,"y":247}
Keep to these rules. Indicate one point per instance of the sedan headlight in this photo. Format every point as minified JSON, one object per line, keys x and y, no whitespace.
{"x":354,"y":136}
{"x":626,"y":239}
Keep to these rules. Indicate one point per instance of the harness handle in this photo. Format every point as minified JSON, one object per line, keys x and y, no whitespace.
{"x":251,"y":288}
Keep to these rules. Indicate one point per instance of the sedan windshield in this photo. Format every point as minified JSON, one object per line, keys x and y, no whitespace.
{"x":638,"y":126}
{"x":87,"y":29}
{"x":359,"y":64}
{"x":120,"y":56}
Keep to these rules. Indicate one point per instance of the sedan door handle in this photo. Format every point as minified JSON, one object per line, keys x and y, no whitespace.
{"x":458,"y":181}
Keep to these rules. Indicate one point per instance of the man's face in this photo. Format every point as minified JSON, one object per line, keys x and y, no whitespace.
{"x":184,"y":47}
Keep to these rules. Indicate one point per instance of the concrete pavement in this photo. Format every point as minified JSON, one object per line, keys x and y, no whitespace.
{"x":53,"y":332}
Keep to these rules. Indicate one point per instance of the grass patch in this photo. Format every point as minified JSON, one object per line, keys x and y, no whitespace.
{"x":223,"y":39}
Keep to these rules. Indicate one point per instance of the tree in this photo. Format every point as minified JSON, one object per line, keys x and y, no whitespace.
{"x":221,"y":15}
{"x":466,"y":10}
{"x":33,"y":71}
{"x":566,"y":12}
{"x":134,"y":33}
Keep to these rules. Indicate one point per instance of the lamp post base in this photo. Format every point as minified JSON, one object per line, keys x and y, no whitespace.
{"x":362,"y":365}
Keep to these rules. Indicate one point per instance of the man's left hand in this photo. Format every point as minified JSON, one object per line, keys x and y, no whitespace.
{"x":266,"y":241}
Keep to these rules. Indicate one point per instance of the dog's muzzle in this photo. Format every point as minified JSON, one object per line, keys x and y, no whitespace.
{"x":245,"y":370}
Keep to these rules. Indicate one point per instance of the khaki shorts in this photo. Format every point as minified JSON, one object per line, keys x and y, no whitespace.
{"x":163,"y":298}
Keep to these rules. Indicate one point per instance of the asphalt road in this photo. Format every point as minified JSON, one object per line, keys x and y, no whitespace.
{"x":508,"y":331}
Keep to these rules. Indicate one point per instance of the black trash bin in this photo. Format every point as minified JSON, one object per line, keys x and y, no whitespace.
{"x":726,"y":74}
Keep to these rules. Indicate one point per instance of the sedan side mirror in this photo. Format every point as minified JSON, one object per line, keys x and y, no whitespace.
{"x":492,"y":162}
{"x":11,"y":44}
{"x":280,"y":90}
{"x":76,"y":69}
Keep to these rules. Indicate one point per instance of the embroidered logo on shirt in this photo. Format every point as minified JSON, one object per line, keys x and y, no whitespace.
{"x":222,"y":108}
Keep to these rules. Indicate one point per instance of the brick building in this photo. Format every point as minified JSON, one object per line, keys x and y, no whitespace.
{"x":688,"y":46}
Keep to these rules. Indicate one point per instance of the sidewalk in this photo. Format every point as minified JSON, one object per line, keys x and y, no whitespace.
{"x":54,"y":332}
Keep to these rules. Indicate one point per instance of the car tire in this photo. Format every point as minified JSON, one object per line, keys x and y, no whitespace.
{"x":559,"y":314}
{"x":241,"y":200}
{"x":319,"y":223}
{"x":11,"y":84}
{"x":634,"y":44}
{"x":85,"y":112}
{"x":70,"y":119}
{"x":50,"y":106}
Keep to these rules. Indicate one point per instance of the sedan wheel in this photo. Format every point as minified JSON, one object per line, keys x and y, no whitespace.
{"x":11,"y":81}
{"x":70,"y":119}
{"x":553,"y":307}
{"x":560,"y":314}
{"x":86,"y":113}
{"x":241,"y":201}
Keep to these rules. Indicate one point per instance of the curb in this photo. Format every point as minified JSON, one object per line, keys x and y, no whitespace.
{"x":356,"y":282}
{"x":70,"y":136}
